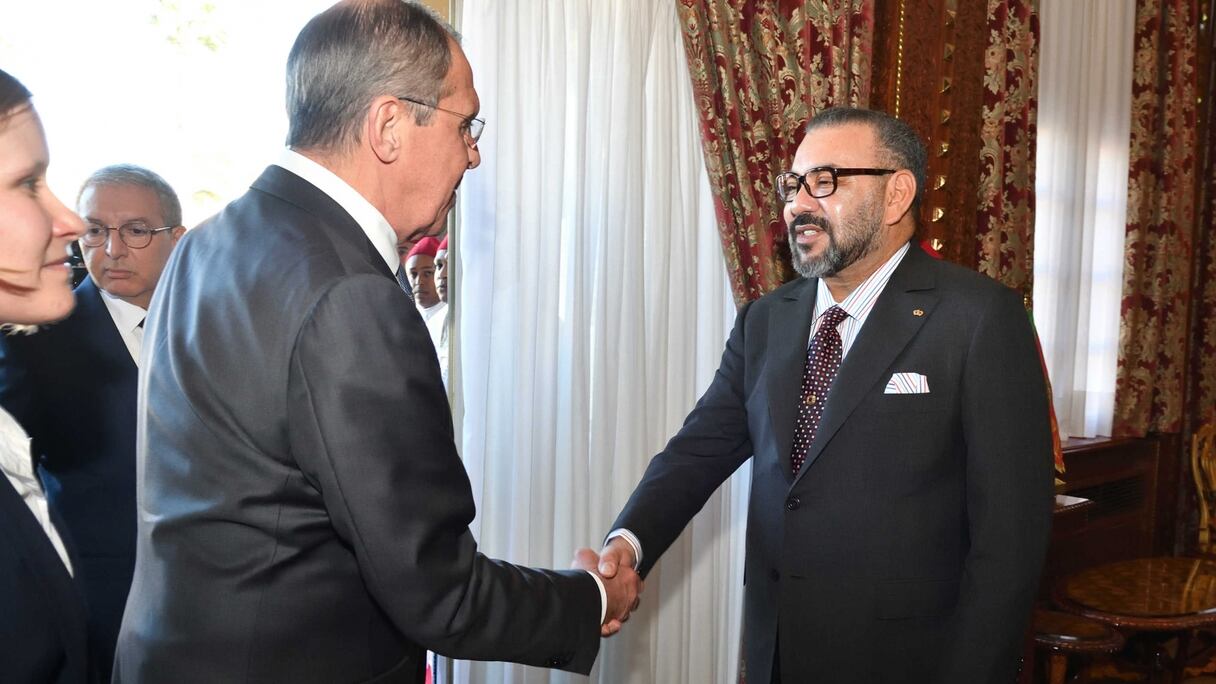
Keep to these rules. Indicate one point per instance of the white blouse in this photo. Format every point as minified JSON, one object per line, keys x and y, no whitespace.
{"x":18,"y":467}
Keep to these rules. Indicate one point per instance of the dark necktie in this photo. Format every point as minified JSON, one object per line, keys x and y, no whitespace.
{"x":405,"y":283}
{"x":822,"y":362}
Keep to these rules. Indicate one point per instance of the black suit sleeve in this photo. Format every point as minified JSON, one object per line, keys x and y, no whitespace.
{"x":1009,"y":494}
{"x":370,"y":428}
{"x":713,"y":442}
{"x":16,"y":393}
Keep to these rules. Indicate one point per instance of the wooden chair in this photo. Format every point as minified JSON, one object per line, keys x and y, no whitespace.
{"x":1203,"y":468}
{"x":1060,"y":635}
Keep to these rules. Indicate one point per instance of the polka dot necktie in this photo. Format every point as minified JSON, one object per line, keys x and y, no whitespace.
{"x":822,"y":362}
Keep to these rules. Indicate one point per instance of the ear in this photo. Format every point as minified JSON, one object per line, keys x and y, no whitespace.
{"x":177,"y":233}
{"x":901,"y":191}
{"x":389,"y":124}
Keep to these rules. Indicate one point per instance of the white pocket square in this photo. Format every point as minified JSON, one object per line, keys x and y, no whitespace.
{"x":907,"y":383}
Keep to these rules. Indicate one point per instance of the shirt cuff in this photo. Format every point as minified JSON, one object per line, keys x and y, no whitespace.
{"x":603,"y":595}
{"x":632,"y":540}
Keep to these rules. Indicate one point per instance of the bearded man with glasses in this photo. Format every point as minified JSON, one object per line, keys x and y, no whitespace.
{"x":73,"y":385}
{"x":895,"y":416}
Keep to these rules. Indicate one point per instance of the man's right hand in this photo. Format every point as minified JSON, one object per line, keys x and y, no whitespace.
{"x":617,"y":553}
{"x":623,"y":586}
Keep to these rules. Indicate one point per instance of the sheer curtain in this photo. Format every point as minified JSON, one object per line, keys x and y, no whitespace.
{"x":593,"y":311}
{"x":1085,"y":75}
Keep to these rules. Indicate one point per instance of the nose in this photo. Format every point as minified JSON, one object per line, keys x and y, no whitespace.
{"x":474,"y":157}
{"x":802,"y":203}
{"x":65,"y":224}
{"x":114,"y":245}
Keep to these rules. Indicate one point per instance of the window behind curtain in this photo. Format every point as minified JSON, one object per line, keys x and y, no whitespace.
{"x":1085,"y":72}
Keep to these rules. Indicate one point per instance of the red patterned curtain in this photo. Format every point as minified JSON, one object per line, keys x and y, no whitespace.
{"x":759,"y":70}
{"x":1203,"y":318}
{"x":1204,"y":349}
{"x":1005,"y":220}
{"x":1150,"y":389}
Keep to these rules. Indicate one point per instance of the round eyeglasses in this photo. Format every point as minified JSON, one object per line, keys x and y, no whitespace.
{"x":135,"y":235}
{"x":819,"y":182}
{"x":471,"y":127}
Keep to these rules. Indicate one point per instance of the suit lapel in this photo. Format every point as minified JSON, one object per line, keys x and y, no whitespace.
{"x":287,"y":186}
{"x":788,"y":335}
{"x":891,"y":325}
{"x":95,"y":318}
{"x":37,"y":546}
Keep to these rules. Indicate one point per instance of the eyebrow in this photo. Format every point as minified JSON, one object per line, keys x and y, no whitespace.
{"x":137,"y":219}
{"x":37,"y":169}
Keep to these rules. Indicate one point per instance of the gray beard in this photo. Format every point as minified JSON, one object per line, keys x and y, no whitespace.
{"x":858,"y":241}
{"x":827,"y":264}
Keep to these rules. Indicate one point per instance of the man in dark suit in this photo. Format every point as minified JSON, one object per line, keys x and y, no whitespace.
{"x":73,"y":385}
{"x":303,"y":513}
{"x":894,"y":410}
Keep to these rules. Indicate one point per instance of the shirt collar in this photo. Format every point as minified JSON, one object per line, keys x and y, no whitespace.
{"x":15,"y":458}
{"x":369,"y":218}
{"x":859,"y":302}
{"x":126,"y":315}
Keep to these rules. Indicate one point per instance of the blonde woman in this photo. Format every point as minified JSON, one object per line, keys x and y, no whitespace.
{"x":42,"y":615}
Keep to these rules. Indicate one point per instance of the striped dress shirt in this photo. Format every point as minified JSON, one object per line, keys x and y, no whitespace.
{"x":858,"y":304}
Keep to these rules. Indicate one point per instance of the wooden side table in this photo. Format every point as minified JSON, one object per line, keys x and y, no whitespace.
{"x":1168,"y":596}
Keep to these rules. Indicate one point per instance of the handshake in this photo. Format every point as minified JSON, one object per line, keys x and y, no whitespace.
{"x":616,"y":566}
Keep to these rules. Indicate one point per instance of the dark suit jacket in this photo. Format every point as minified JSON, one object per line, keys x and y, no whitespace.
{"x":909,"y":546}
{"x":72,"y":387}
{"x":43,"y":636}
{"x":303,"y":514}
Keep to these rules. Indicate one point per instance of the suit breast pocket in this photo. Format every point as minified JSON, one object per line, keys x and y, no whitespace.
{"x":908,"y":441}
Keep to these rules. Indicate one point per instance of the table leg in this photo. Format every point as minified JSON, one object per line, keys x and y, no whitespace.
{"x":1184,"y":644}
{"x":1082,"y":676}
{"x":1057,"y":667}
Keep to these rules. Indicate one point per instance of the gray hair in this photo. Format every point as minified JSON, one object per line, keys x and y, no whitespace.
{"x":900,"y":144}
{"x":356,"y":51}
{"x":130,"y":174}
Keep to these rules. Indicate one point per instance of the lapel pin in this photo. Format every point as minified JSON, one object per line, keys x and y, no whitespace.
{"x":918,"y":312}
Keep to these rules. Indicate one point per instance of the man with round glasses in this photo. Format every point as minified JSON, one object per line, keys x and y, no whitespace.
{"x":74,"y":384}
{"x":132,"y":221}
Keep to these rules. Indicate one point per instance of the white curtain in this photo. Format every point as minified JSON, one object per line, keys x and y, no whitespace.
{"x":593,"y":310}
{"x":1085,"y":72}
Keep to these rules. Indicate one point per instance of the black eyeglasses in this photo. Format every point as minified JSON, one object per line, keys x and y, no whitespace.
{"x":819,"y":182}
{"x":135,"y":235}
{"x":471,"y":127}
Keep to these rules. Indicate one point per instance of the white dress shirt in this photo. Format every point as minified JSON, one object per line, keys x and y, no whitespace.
{"x":857,"y":305}
{"x":127,"y":318}
{"x":436,"y":319}
{"x":377,"y":229}
{"x":432,"y":311}
{"x":18,"y":467}
{"x":369,"y":218}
